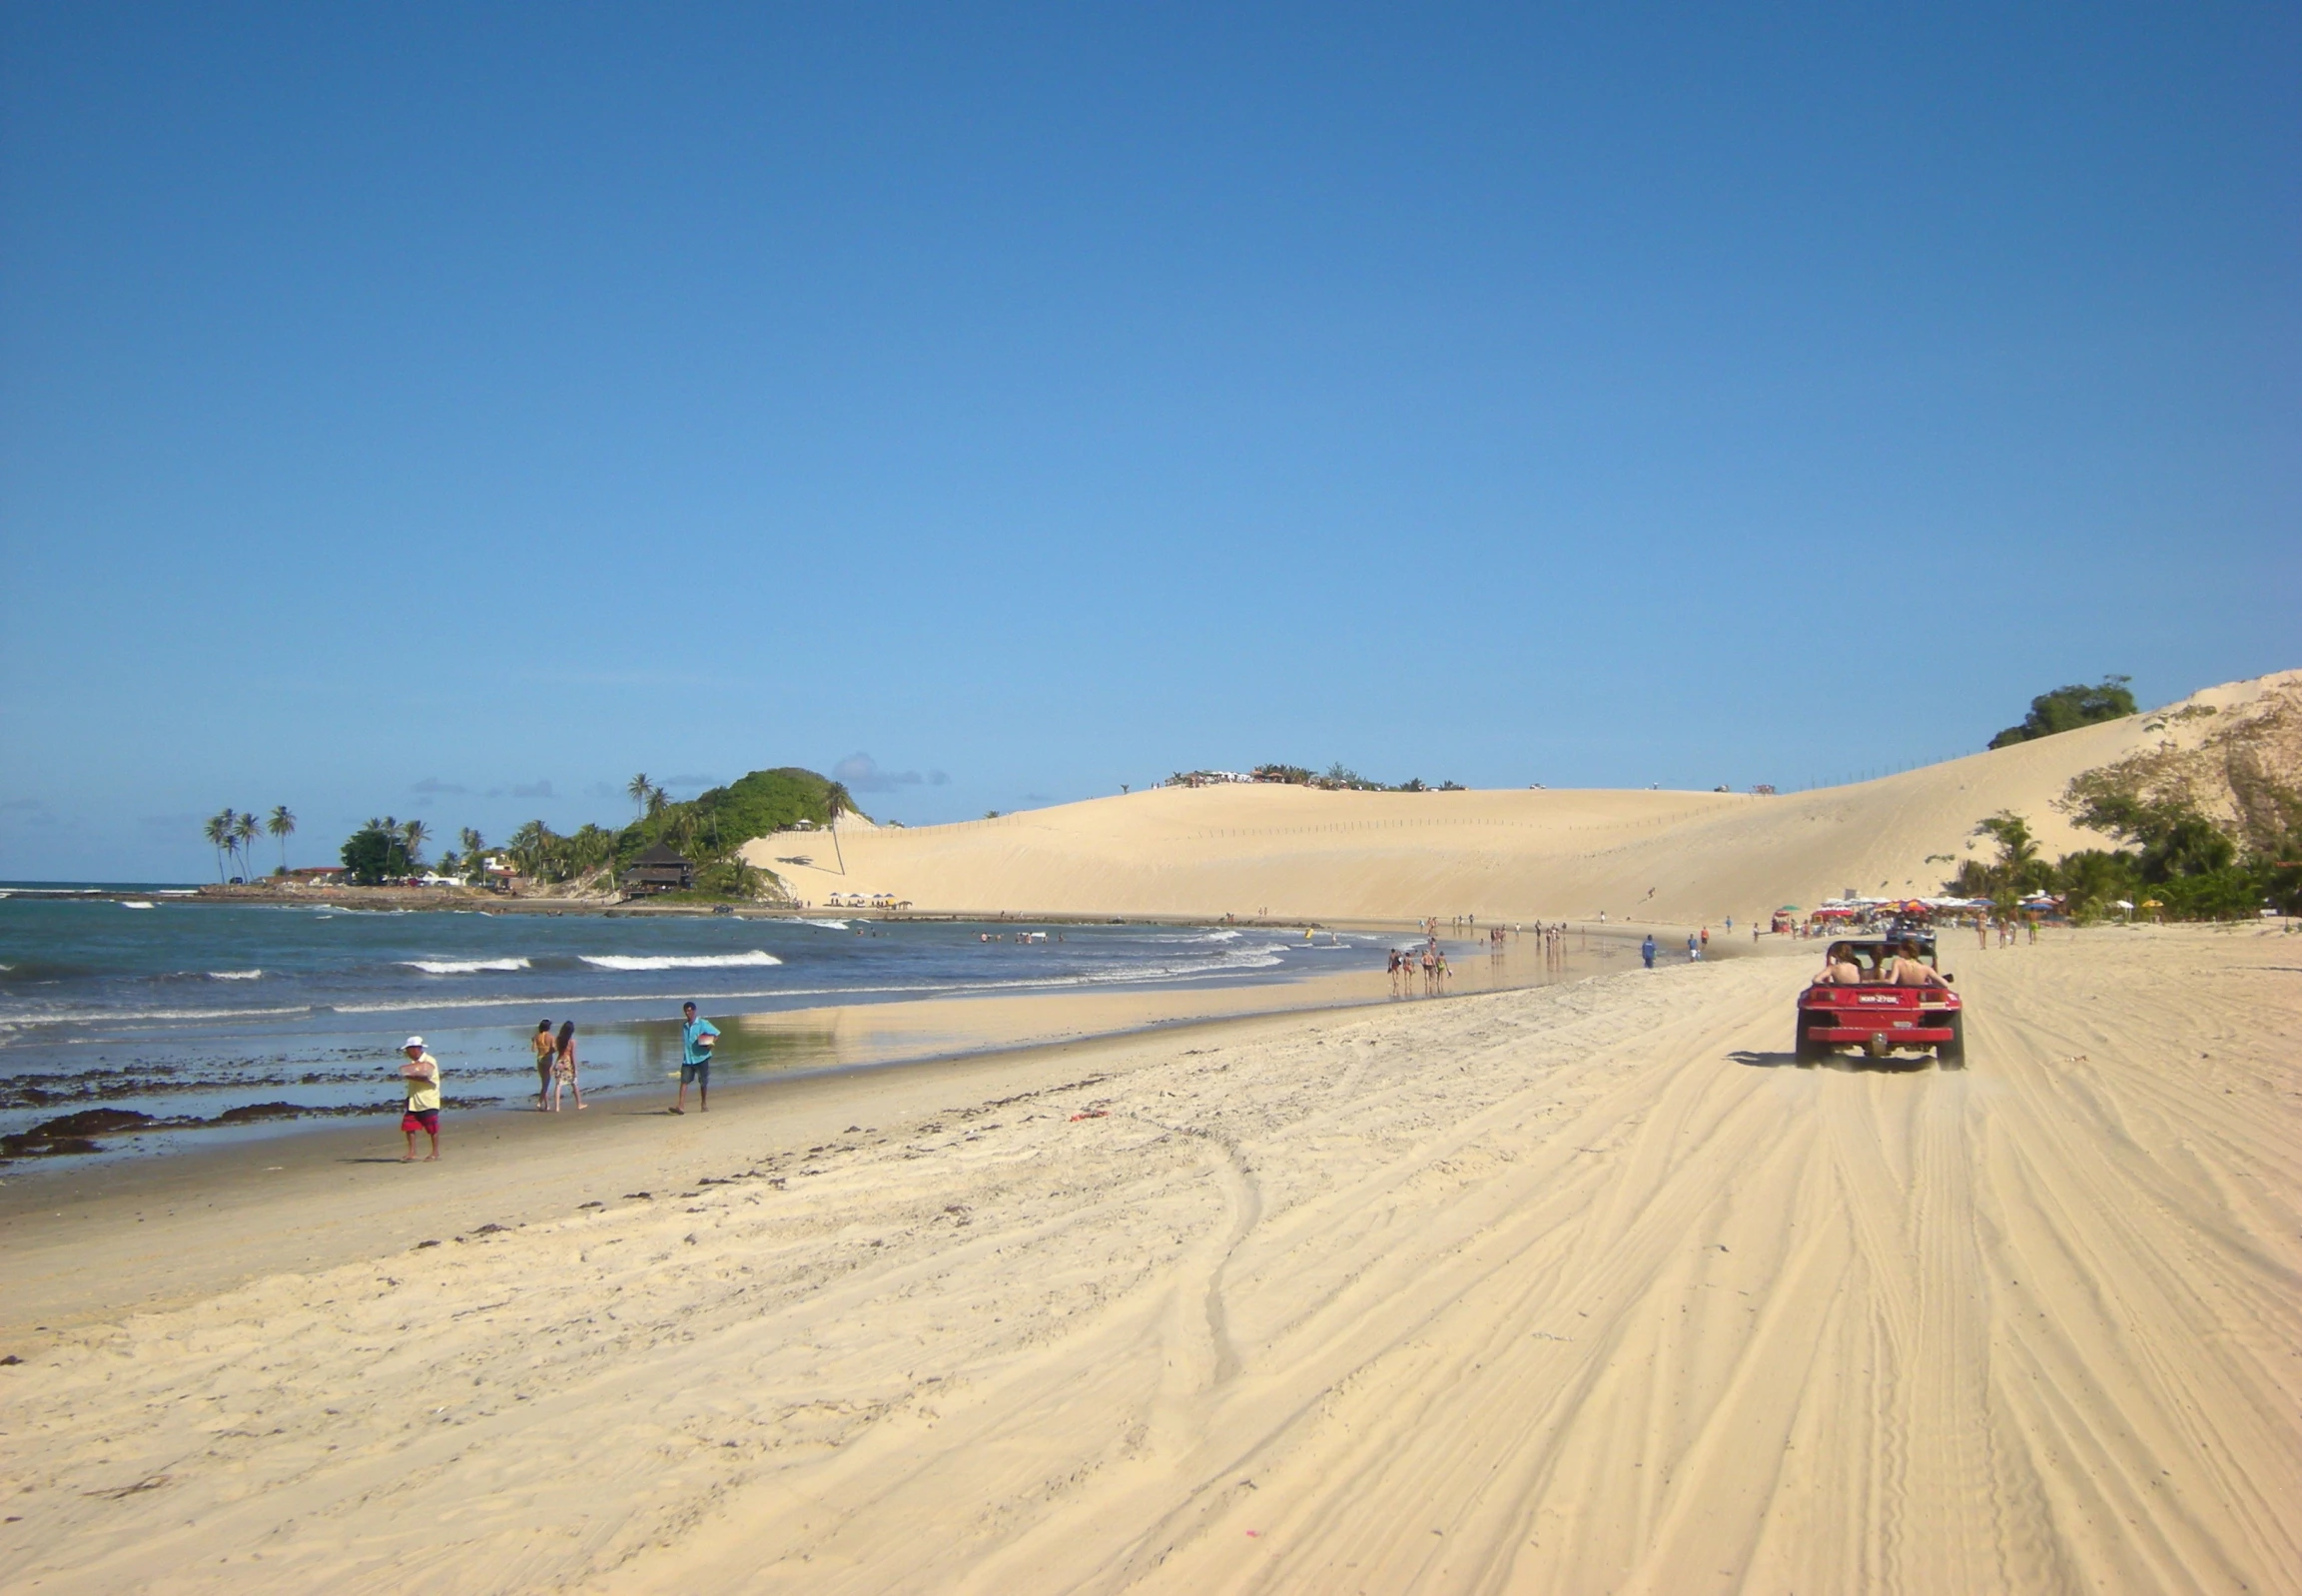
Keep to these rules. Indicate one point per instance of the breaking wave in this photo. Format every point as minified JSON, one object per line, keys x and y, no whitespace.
{"x":756,"y":958}
{"x":462,"y":967}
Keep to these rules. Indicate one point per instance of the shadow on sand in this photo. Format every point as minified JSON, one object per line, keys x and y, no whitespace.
{"x":1891,"y":1063}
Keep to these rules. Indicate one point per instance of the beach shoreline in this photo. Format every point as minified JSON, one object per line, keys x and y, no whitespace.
{"x":762,"y":1047}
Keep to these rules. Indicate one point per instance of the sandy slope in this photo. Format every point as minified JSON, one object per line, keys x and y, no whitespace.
{"x":1672,"y":857}
{"x":1577,"y":1289}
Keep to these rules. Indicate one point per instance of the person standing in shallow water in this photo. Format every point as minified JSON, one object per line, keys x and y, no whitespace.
{"x":697,"y":1037}
{"x":1647,"y":950}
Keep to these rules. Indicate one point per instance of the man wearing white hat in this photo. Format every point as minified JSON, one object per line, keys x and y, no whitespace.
{"x":421,"y":1077}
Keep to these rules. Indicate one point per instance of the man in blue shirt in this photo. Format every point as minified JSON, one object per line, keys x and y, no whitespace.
{"x":1646,"y":952}
{"x":696,"y":1039}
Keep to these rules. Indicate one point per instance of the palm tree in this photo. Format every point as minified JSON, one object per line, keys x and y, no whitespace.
{"x":474,"y":844}
{"x":836,"y":798}
{"x":592,"y":848}
{"x":283,"y":826}
{"x":2018,"y":849}
{"x":637,"y":789}
{"x":244,"y":831}
{"x":528,"y":846}
{"x":657,"y":798}
{"x":413,"y":834}
{"x":218,"y":831}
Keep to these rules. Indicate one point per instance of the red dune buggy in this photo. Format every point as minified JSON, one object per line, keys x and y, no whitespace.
{"x":1877,"y":1014}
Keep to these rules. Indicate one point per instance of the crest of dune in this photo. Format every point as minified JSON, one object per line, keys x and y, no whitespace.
{"x":1298,"y":852}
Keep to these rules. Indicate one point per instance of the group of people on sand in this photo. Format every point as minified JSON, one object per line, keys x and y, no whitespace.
{"x":2008,"y":929}
{"x":555,"y":1071}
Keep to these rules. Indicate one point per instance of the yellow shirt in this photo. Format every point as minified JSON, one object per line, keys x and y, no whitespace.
{"x":422,"y":1092}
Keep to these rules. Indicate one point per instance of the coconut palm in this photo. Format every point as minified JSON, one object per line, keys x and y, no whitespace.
{"x":657,"y":801}
{"x":2018,"y":851}
{"x":637,"y":789}
{"x":837,"y":800}
{"x":283,"y":826}
{"x":592,"y":848}
{"x":244,"y":831}
{"x":218,"y":831}
{"x":473,"y":845}
{"x":529,"y":847}
{"x":413,"y":836}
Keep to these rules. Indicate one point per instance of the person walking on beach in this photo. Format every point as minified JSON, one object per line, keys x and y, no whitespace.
{"x":563,"y":1066}
{"x":419,"y":1080}
{"x":542,"y":1043}
{"x":1693,"y":952}
{"x":1647,"y":950}
{"x":697,"y":1037}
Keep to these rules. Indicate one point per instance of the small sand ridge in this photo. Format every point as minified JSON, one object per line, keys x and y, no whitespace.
{"x":1576,"y":1288}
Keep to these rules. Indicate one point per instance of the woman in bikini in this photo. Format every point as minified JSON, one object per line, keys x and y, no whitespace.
{"x":1839,"y":968}
{"x":563,"y":1066}
{"x":542,"y":1043}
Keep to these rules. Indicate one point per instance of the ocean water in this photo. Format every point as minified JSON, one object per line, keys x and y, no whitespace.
{"x":199,"y":1013}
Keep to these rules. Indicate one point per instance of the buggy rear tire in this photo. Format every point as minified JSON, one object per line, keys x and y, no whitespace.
{"x":1807,"y":1051}
{"x":1952,"y":1054}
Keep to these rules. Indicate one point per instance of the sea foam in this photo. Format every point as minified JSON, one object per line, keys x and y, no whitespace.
{"x":462,"y":967}
{"x":681,"y":961}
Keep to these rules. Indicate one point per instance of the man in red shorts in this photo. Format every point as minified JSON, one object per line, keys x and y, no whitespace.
{"x":421,"y":1077}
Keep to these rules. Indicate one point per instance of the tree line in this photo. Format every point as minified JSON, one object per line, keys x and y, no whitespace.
{"x":233,"y":834}
{"x":708,"y":831}
{"x":2191,"y":865}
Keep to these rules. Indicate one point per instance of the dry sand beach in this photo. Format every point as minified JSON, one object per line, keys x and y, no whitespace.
{"x":1578,"y":1287}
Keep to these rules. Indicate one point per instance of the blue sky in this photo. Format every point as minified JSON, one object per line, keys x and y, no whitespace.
{"x":454,"y":411}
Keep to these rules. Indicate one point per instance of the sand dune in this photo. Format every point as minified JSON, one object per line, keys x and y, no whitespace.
{"x":1578,"y":1288}
{"x":1673,"y":857}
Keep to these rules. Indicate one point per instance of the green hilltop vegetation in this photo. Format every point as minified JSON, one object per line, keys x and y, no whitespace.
{"x":725,"y":818}
{"x":2068,"y":708}
{"x":708,"y":830}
